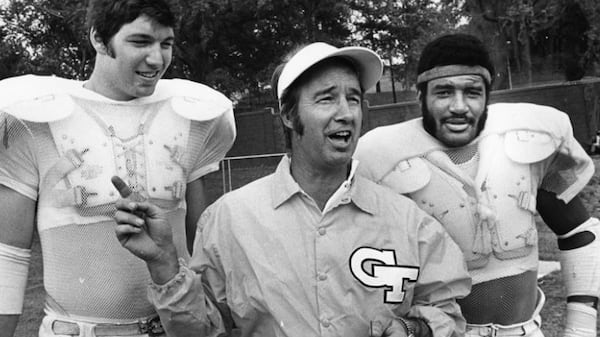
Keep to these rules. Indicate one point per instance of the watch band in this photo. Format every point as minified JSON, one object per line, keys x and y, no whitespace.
{"x":408,"y":325}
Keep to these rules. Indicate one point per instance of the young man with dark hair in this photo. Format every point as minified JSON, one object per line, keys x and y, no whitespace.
{"x":312,"y":249}
{"x":63,"y":140}
{"x":484,"y":172}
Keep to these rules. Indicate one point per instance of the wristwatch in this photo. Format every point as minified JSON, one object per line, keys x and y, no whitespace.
{"x":408,"y":325}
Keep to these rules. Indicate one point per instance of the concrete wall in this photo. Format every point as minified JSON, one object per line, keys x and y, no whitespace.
{"x":260,"y":132}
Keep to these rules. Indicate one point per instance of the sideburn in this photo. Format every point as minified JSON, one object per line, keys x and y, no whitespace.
{"x":298,"y":125}
{"x":110,"y":50}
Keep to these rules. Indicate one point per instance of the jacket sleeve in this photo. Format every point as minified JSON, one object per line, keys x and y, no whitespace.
{"x":185,"y":307}
{"x":443,"y":279}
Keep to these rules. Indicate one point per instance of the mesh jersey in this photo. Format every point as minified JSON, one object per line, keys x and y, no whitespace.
{"x":66,"y":166}
{"x":503,"y":300}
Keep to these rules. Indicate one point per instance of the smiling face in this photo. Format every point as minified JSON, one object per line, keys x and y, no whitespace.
{"x":134,"y":60}
{"x":329,"y":112}
{"x":454,"y":109}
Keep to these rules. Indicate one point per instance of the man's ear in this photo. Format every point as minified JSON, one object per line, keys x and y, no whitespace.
{"x":287,"y":122}
{"x":97,"y":43}
{"x":419,"y":100}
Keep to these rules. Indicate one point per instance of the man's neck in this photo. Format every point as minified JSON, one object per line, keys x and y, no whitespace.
{"x":94,"y":84}
{"x":101,"y":86}
{"x":319,"y":184}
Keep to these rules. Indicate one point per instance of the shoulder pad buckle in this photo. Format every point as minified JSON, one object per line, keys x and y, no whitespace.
{"x":408,"y":176}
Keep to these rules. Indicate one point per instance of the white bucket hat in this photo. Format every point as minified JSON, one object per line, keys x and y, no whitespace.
{"x":368,"y":63}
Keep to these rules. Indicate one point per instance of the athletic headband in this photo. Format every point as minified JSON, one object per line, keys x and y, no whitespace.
{"x":453,"y":70}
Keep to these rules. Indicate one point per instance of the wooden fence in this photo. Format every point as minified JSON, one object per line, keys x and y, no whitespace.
{"x":260,"y":132}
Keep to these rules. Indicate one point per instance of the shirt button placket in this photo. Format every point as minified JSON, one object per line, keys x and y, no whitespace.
{"x":322,"y":246}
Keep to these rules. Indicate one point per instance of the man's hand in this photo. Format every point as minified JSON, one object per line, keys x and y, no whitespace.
{"x":387,"y":327}
{"x":142,"y":228}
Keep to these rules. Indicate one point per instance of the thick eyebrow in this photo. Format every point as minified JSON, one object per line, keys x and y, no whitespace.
{"x":140,"y":36}
{"x":328,"y":90}
{"x":477,"y":86}
{"x":324,"y":91}
{"x":169,"y":39}
{"x":149,"y":37}
{"x":444,"y":86}
{"x":449,"y":86}
{"x":356,"y":91}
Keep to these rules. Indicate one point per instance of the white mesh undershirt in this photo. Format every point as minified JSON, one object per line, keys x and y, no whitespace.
{"x":466,"y":158}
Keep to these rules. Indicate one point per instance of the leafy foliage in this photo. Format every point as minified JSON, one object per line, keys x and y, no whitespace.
{"x":528,"y":35}
{"x":400,"y":29}
{"x":49,"y":34}
{"x":234,"y":45}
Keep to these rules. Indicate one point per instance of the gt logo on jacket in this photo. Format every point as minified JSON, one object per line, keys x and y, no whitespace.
{"x":384,"y":272}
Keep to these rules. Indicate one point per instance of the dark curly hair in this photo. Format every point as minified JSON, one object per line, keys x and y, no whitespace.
{"x":108,"y":16}
{"x":460,"y":49}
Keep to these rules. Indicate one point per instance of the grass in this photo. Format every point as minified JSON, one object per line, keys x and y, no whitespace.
{"x":552,"y":313}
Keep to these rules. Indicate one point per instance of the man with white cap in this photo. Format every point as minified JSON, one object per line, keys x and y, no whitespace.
{"x":483,"y":172}
{"x":312,"y":249}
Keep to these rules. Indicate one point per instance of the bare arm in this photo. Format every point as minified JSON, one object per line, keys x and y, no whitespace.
{"x":17,"y":214}
{"x":195,"y":198}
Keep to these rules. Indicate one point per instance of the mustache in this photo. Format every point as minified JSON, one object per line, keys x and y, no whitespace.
{"x":459,"y":119}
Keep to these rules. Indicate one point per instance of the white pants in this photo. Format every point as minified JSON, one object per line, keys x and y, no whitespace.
{"x":85,"y":329}
{"x":530,"y":328}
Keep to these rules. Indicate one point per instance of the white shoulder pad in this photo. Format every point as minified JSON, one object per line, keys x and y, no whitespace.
{"x":503,"y":117}
{"x":408,"y":176}
{"x":37,"y":98}
{"x":525,"y":147}
{"x":395,"y":147}
{"x":193,"y":100}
